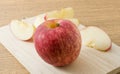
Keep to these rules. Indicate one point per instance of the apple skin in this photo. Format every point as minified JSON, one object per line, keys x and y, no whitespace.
{"x":109,"y":47}
{"x":58,"y":46}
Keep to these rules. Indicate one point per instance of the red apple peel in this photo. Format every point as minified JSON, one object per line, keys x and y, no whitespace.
{"x":59,"y":45}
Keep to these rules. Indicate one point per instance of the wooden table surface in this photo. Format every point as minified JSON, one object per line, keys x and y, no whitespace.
{"x":102,"y":13}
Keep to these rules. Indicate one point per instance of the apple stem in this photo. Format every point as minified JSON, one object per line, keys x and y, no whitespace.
{"x":45,"y":17}
{"x":57,"y":24}
{"x":52,"y":24}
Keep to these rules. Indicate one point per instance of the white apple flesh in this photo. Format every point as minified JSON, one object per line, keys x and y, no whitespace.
{"x":66,"y":13}
{"x":95,"y":38}
{"x":63,"y":13}
{"x":53,"y":14}
{"x":39,"y":19}
{"x":22,"y":30}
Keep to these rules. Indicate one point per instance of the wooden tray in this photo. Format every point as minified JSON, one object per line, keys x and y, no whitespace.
{"x":90,"y":61}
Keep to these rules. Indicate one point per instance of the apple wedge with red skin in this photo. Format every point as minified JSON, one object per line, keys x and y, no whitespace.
{"x":22,"y":30}
{"x":58,"y":42}
{"x":94,"y":37}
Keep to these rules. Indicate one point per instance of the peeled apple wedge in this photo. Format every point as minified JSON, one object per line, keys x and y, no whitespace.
{"x":22,"y":30}
{"x":53,"y":14}
{"x":63,"y":13}
{"x":94,"y":37}
{"x":56,"y":14}
{"x":39,"y":19}
{"x":67,"y":13}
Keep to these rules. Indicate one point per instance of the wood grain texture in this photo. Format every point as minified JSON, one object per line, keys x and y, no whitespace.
{"x":90,"y":61}
{"x":102,"y":13}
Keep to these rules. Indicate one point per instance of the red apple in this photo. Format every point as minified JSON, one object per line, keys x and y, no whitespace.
{"x":58,"y":42}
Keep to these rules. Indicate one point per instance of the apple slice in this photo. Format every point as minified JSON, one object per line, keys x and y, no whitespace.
{"x":39,"y":19}
{"x":53,"y":14}
{"x":63,"y":13}
{"x":95,"y":38}
{"x":67,"y":13}
{"x":22,"y":30}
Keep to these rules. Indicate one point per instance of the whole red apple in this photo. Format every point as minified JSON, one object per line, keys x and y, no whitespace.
{"x":58,"y":42}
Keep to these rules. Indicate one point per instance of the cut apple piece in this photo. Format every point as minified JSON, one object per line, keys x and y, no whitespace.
{"x":67,"y":13}
{"x":53,"y":14}
{"x":95,"y":38}
{"x":63,"y":13}
{"x":39,"y":20}
{"x":22,"y":30}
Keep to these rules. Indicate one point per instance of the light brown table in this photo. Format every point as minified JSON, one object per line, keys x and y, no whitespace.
{"x":102,"y":13}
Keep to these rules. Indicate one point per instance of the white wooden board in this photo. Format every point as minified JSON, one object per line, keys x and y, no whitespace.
{"x":90,"y":61}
